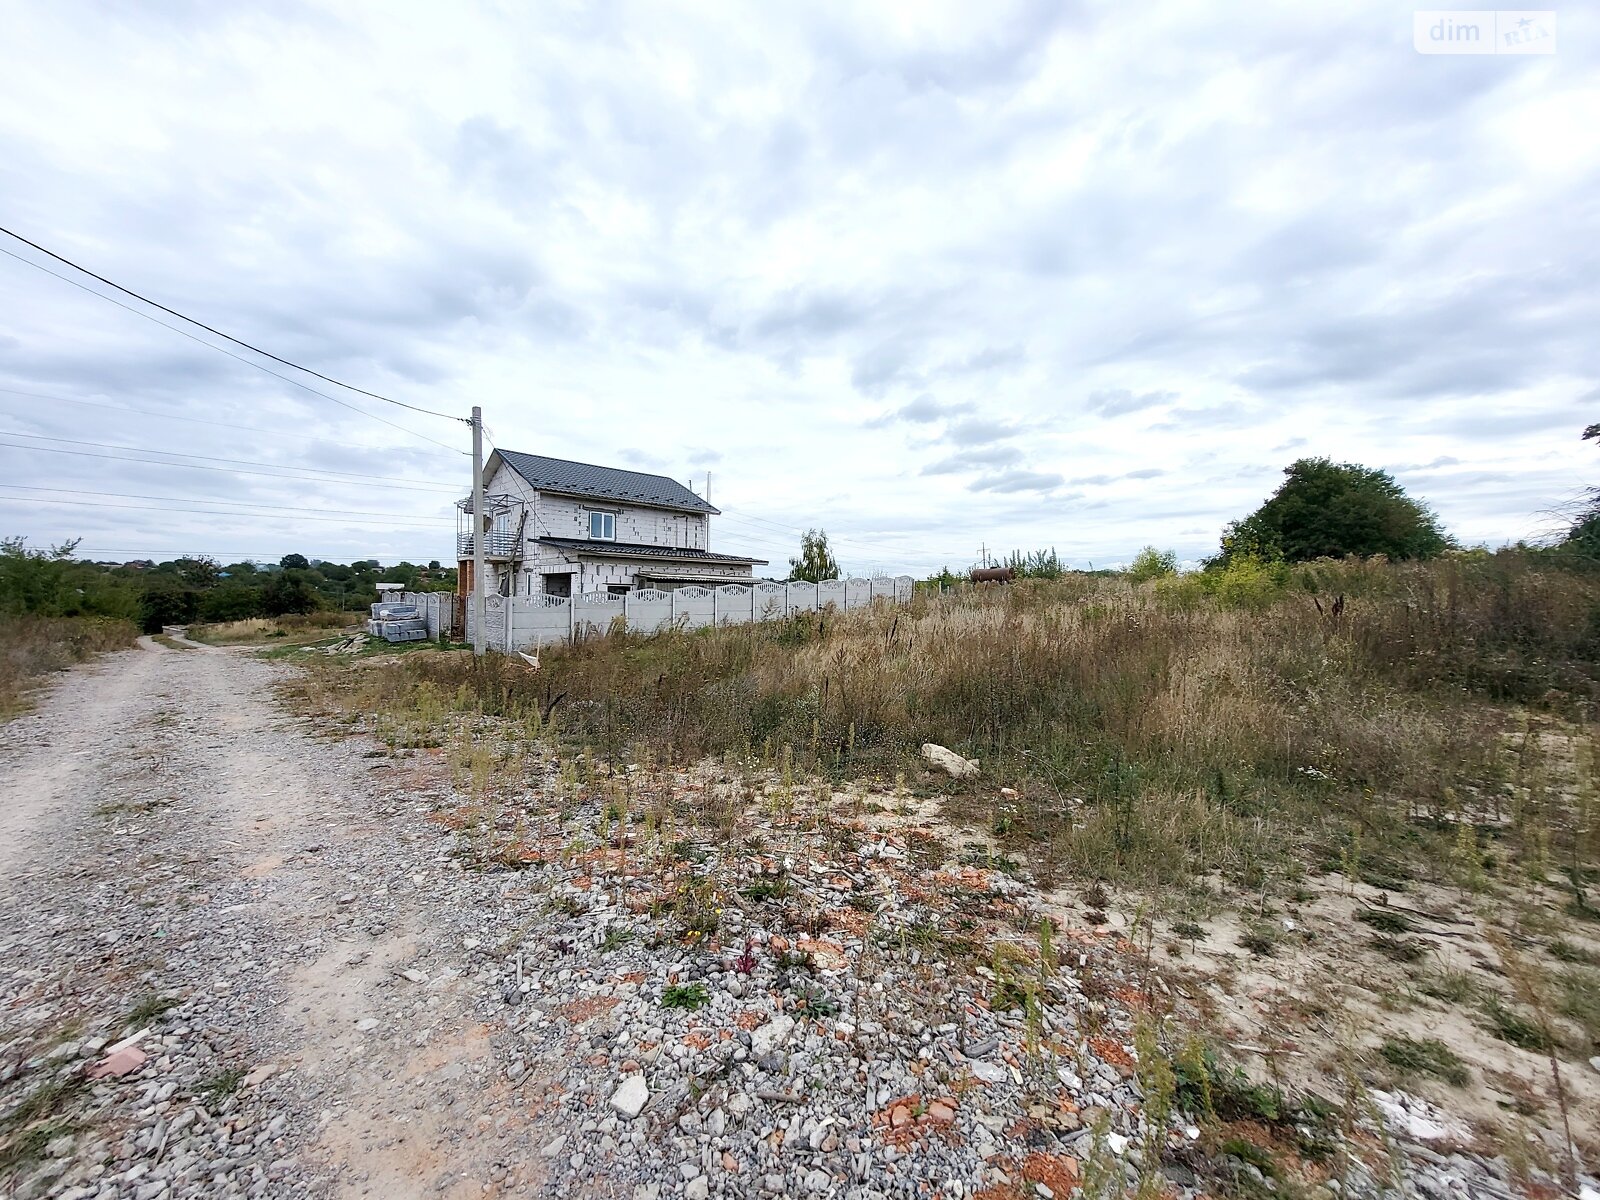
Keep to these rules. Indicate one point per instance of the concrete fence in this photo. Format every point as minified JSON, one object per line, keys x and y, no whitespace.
{"x":437,"y":608}
{"x":527,"y":622}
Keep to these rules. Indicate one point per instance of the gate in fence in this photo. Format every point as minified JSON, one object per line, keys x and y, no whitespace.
{"x":524,"y":622}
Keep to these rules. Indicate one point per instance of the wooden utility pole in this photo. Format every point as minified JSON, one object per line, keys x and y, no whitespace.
{"x":480,"y":635}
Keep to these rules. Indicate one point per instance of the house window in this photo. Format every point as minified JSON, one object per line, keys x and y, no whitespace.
{"x":617,"y":589}
{"x":558,"y":585}
{"x":603,"y":526}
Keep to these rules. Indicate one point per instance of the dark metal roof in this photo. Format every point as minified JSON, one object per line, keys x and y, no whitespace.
{"x":635,"y":550}
{"x":608,"y":483}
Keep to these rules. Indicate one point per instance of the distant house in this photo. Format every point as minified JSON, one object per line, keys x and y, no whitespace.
{"x":559,"y":528}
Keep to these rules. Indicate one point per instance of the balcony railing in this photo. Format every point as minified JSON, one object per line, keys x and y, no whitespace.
{"x":497,"y":543}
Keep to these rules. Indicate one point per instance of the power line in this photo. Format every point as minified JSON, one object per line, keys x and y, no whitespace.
{"x":162,"y":416}
{"x":398,"y":524}
{"x":44,"y":437}
{"x":237,"y":357}
{"x":227,"y":336}
{"x":349,"y":512}
{"x":873,"y":547}
{"x":395,"y":487}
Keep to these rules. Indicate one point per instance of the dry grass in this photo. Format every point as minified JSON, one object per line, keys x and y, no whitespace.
{"x":33,"y":647}
{"x":290,"y":629}
{"x":1149,"y":735}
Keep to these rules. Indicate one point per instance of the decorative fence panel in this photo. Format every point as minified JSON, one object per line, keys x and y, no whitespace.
{"x":437,"y":608}
{"x":528,"y":622}
{"x":695,"y":607}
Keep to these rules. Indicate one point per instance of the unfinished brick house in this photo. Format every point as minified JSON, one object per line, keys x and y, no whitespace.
{"x":559,"y":528}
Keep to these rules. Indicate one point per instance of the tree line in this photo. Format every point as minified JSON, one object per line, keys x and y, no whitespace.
{"x":1323,"y":509}
{"x":55,"y":583}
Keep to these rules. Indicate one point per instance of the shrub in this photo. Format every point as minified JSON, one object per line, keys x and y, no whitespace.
{"x":1151,"y":563}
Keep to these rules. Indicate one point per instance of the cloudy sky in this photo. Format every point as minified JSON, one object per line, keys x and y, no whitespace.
{"x":932,"y":276}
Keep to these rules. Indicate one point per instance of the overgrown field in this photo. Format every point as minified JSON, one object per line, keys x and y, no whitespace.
{"x":1351,"y":804}
{"x":32,"y":647}
{"x":1146,"y":733}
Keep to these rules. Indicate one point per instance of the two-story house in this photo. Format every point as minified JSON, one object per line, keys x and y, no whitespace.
{"x":561,"y":528}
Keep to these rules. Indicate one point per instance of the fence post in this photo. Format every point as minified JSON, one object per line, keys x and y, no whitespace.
{"x":672,"y":598}
{"x":572,"y":619}
{"x":714,"y":594}
{"x":626,"y":626}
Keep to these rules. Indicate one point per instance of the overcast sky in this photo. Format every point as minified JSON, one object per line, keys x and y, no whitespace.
{"x":928,"y":275}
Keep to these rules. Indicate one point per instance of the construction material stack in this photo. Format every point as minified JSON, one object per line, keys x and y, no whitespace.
{"x":398,"y":622}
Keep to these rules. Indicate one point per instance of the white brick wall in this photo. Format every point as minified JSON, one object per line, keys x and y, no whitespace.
{"x":551,"y":515}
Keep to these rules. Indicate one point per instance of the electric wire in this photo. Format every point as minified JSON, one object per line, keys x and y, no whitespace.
{"x":247,"y":462}
{"x":396,"y":524}
{"x":394,"y":487}
{"x":209,"y":329}
{"x":238,"y":357}
{"x":163,"y":416}
{"x":282,"y":508}
{"x":877,"y":548}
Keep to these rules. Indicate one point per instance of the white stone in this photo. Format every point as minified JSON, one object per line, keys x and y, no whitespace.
{"x":767,"y":1038}
{"x":697,"y":1188}
{"x":988,"y":1072}
{"x":631,"y":1096}
{"x":949,"y":761}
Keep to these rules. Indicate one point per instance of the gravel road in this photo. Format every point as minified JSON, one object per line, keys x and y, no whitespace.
{"x":167,"y":833}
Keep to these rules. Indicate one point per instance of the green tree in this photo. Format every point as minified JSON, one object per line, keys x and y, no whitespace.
{"x":816,"y":561}
{"x":1325,"y":509}
{"x":166,"y":601}
{"x":200,"y":571}
{"x":1151,"y":563}
{"x":290,"y":591}
{"x":1583,"y":535}
{"x":294,"y":562}
{"x":230,"y":601}
{"x":52,"y":583}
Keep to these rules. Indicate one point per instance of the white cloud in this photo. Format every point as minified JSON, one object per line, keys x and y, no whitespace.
{"x":903,"y":272}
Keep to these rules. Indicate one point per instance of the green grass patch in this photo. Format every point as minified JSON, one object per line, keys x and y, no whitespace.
{"x":149,"y":1009}
{"x":218,"y":1086}
{"x":1564,"y":951}
{"x":1384,"y":920}
{"x":1425,"y":1056}
{"x":1513,"y":1028}
{"x":686,"y":996}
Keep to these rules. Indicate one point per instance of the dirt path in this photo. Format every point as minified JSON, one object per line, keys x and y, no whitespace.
{"x":168,"y":834}
{"x":46,"y":759}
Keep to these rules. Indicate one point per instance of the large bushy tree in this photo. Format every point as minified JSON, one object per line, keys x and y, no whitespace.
{"x":1583,"y":535}
{"x":1328,"y":509}
{"x":816,"y":561}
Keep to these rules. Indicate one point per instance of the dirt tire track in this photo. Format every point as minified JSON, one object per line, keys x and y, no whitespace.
{"x":281,"y":895}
